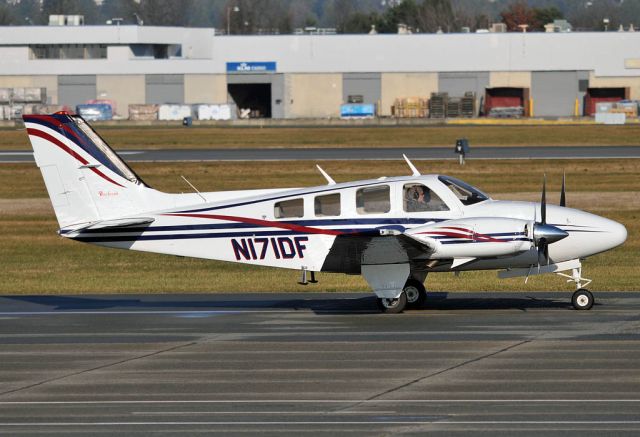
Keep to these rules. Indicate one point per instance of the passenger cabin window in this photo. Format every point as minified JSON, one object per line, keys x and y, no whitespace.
{"x":373,"y":200}
{"x":289,"y":208}
{"x":419,"y":198}
{"x":466,"y":193}
{"x":328,"y":205}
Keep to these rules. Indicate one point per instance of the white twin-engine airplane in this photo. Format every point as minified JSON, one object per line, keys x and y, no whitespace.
{"x":393,"y":231}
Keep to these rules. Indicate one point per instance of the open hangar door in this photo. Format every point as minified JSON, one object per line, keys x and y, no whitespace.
{"x":261,"y":94}
{"x":507,"y":100}
{"x":603,"y":95}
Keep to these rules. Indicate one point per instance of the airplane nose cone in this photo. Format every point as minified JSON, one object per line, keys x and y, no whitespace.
{"x":617,"y":233}
{"x":609,"y":234}
{"x":549,"y":233}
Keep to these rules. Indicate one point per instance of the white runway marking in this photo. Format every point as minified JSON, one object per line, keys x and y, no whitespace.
{"x":169,"y":312}
{"x":335,"y":422}
{"x":286,"y":413}
{"x":322,"y":401}
{"x":122,"y":152}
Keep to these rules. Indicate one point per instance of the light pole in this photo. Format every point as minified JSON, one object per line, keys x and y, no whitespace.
{"x":229,"y":8}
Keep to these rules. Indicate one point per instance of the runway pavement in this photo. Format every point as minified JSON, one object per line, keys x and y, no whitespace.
{"x":359,"y":154}
{"x":322,"y":364}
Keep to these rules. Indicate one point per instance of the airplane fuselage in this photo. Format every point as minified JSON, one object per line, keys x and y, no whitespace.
{"x":289,"y":229}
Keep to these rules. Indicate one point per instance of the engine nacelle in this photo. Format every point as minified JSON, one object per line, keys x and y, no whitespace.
{"x":479,"y":237}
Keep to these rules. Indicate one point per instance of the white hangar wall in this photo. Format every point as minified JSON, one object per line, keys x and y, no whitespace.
{"x":311,"y":76}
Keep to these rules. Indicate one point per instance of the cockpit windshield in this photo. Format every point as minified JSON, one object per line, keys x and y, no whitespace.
{"x":466,"y":193}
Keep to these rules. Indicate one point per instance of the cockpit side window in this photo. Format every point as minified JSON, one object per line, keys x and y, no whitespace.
{"x":466,"y":193}
{"x":419,"y":198}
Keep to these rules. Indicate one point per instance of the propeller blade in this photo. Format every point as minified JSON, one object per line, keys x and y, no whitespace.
{"x":543,"y":203}
{"x":546,"y":253}
{"x":543,"y":251}
{"x":563,"y":197}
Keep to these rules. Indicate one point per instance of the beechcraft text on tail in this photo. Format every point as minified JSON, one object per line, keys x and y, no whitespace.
{"x":393,"y":231}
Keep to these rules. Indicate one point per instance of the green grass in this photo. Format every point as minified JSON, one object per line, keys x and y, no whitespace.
{"x":33,"y":259}
{"x":424,"y":136}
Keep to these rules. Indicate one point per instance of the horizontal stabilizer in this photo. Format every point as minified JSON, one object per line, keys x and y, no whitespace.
{"x":118,"y":223}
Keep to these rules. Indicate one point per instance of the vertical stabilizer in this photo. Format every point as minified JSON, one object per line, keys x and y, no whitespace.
{"x":86,"y":180}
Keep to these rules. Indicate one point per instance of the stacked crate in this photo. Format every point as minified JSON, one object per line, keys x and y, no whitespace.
{"x":468,"y":105}
{"x":454,"y":107}
{"x":143,"y":112}
{"x":410,"y":107}
{"x":17,"y":101}
{"x":438,"y":105}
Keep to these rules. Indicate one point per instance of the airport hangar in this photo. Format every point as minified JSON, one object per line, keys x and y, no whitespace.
{"x":310,"y":76}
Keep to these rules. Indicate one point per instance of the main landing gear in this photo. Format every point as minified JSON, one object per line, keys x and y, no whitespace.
{"x":413,"y":296}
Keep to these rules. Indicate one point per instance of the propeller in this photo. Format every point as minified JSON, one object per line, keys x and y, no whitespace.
{"x":563,"y":196}
{"x":544,"y":234}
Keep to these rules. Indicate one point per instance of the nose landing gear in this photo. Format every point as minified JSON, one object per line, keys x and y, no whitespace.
{"x":582,"y":299}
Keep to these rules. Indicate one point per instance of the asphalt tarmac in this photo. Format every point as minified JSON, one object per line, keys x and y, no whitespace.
{"x":359,"y":154}
{"x":319,"y":364}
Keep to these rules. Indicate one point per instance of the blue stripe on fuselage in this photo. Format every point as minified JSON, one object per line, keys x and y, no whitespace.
{"x":325,"y":222}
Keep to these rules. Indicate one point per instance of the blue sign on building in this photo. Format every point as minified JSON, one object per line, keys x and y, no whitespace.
{"x":357,"y":110}
{"x":250,"y":67}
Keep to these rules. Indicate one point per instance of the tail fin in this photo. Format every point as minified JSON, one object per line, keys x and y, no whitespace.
{"x":86,"y":180}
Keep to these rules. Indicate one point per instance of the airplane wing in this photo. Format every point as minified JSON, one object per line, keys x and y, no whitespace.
{"x":349,"y":252}
{"x":455,"y":242}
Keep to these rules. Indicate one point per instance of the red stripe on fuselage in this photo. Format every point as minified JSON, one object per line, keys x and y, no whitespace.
{"x":470,"y":236}
{"x":51,"y":139}
{"x":258,"y":222}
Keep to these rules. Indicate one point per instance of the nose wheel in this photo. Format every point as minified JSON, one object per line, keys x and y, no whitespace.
{"x":582,"y":299}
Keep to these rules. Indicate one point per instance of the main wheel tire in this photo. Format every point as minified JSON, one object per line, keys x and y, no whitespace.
{"x":415,"y":292}
{"x":393,"y":306}
{"x":582,"y":299}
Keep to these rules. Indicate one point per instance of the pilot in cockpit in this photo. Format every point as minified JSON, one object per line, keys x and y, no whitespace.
{"x":419,"y":198}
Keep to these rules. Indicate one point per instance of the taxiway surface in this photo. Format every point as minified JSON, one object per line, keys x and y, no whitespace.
{"x":319,"y":364}
{"x":359,"y":154}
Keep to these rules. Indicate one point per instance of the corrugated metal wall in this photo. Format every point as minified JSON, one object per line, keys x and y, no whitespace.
{"x":366,"y":85}
{"x":554,"y":93}
{"x":164,"y":88}
{"x":76,"y":89}
{"x":456,"y":84}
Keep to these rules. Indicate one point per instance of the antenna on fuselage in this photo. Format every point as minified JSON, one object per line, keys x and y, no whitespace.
{"x":330,"y":181}
{"x":411,"y":166}
{"x":194,"y":188}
